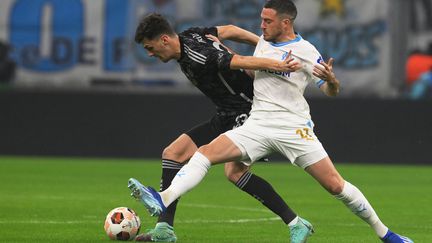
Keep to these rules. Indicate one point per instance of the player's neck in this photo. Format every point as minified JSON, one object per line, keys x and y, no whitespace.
{"x":177,"y":48}
{"x":288,"y":36}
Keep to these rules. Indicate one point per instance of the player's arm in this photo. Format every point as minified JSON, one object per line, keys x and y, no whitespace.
{"x":237,"y":34}
{"x":249,"y":72}
{"x":324,"y":71}
{"x":259,"y":63}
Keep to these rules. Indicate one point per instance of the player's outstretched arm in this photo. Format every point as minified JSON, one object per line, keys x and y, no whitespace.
{"x":234,"y":33}
{"x":325,"y":72}
{"x":215,"y":39}
{"x":259,"y":63}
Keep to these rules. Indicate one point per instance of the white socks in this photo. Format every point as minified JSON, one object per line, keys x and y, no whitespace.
{"x":352,"y":197}
{"x":187,"y":178}
{"x":193,"y":172}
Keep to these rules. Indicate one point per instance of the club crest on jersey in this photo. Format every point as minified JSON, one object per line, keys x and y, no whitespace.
{"x":284,"y":55}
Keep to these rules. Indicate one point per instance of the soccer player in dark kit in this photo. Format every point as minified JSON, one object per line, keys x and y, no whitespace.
{"x":223,"y":78}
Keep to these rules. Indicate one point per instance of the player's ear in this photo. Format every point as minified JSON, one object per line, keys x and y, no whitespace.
{"x":164,"y":39}
{"x":286,"y":21}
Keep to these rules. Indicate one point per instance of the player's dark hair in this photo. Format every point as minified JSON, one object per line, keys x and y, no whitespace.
{"x":286,"y":7}
{"x":151,"y":27}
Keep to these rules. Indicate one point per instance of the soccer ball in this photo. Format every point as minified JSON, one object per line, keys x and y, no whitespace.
{"x":122,"y":223}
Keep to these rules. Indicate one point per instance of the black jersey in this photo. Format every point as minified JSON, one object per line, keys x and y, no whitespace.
{"x":207,"y":65}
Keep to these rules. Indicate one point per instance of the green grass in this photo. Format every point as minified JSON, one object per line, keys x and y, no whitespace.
{"x":67,"y":199}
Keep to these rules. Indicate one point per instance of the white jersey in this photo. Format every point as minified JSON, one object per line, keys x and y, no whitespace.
{"x":280,"y":94}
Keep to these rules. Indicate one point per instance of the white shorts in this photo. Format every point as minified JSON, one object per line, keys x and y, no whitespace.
{"x":259,"y":138}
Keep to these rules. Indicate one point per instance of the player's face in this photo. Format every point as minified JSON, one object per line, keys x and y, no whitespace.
{"x":271,"y":25}
{"x":158,"y":48}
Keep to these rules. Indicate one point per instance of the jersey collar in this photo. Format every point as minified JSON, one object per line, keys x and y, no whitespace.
{"x":279,"y":44}
{"x":182,"y":52}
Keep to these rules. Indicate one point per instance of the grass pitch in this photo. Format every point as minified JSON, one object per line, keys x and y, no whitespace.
{"x":66,"y":200}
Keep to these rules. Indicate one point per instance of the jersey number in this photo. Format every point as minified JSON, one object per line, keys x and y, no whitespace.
{"x":304,"y":134}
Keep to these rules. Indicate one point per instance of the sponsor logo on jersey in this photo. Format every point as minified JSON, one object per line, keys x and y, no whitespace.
{"x":283,"y":74}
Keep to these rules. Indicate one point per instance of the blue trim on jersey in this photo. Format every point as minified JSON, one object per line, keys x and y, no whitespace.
{"x":321,"y":82}
{"x":279,"y":44}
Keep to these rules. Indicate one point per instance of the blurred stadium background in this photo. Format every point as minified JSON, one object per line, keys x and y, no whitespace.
{"x":73,"y":84}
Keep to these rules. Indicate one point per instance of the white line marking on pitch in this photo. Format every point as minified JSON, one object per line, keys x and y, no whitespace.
{"x":193,"y":221}
{"x":224,"y":207}
{"x":48,"y":222}
{"x":232,"y":221}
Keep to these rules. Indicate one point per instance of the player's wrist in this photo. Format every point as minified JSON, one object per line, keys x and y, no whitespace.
{"x":333,"y":87}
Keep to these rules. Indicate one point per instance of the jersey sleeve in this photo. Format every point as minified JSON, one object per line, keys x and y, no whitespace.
{"x":258,"y":46}
{"x":216,"y":55}
{"x":312,"y":59}
{"x":204,"y":30}
{"x":220,"y":57}
{"x":211,"y":31}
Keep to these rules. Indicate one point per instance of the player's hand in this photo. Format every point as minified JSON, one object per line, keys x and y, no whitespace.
{"x":325,"y":72}
{"x":289,"y":64}
{"x":216,"y":40}
{"x":213,"y":38}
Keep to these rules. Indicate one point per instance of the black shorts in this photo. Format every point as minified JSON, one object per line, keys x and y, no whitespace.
{"x":205,"y":132}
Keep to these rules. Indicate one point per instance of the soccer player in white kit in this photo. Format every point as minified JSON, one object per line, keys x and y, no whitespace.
{"x":279,"y":122}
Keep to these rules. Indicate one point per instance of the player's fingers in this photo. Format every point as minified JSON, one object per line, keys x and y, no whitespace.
{"x":288,"y":58}
{"x":290,"y":61}
{"x":321,"y":66}
{"x":212,"y":37}
{"x":294,"y":66}
{"x":330,"y":62}
{"x":324,"y":65}
{"x":318,"y":72}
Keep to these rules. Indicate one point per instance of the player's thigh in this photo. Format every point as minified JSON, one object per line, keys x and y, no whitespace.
{"x":298,"y":143}
{"x":180,"y":150}
{"x":326,"y":174}
{"x":205,"y":132}
{"x":221,"y":150}
{"x":252,"y":140}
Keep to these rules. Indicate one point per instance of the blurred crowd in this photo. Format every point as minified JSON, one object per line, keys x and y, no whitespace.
{"x":419,"y":73}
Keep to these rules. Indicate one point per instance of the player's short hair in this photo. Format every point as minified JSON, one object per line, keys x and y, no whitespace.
{"x":151,"y":27}
{"x":283,"y":7}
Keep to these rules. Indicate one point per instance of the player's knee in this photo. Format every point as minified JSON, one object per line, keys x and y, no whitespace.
{"x":232,"y":176}
{"x":234,"y":172}
{"x":204,"y":149}
{"x":335,"y":186}
{"x":174,"y":155}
